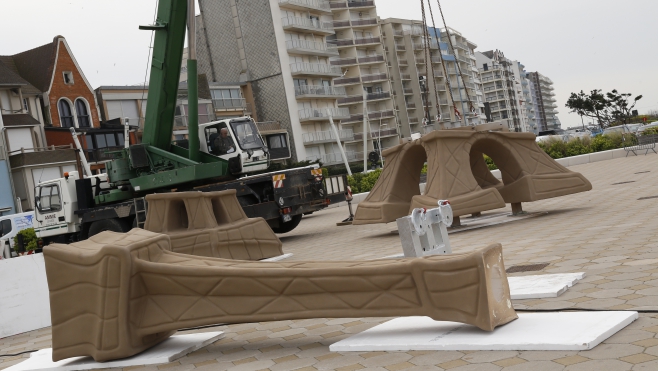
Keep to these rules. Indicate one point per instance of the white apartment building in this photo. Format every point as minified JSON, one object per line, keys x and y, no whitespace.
{"x":544,"y":100}
{"x":502,"y":96}
{"x":419,"y":78}
{"x":304,"y":61}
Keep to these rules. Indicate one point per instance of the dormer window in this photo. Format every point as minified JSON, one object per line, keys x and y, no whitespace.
{"x":68,"y":77}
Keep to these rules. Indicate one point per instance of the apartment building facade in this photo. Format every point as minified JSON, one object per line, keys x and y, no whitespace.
{"x":305,"y":61}
{"x":502,"y":97}
{"x":544,"y":100}
{"x":419,"y":79}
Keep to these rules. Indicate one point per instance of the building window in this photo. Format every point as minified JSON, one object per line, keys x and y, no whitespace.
{"x":68,"y":77}
{"x":26,"y":105}
{"x":82,"y":113}
{"x":65,"y":114}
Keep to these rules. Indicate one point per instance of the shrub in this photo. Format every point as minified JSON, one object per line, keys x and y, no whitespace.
{"x":650,"y":131}
{"x":360,"y":182}
{"x":490,"y":163}
{"x":602,"y":143}
{"x":424,"y":169}
{"x":577,"y":146}
{"x":29,"y":239}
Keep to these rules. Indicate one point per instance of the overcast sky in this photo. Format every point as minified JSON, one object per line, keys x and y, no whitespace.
{"x":579,"y":44}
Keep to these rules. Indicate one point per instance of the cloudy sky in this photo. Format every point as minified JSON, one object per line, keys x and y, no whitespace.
{"x":579,"y":44}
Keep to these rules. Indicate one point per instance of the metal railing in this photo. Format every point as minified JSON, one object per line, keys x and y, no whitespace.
{"x":367,"y":40}
{"x":371,"y":59}
{"x":340,"y":23}
{"x":315,"y":68}
{"x":308,"y":23}
{"x":405,"y":76}
{"x":323,"y":113}
{"x":407,"y":91}
{"x":343,"y":42}
{"x":400,"y":47}
{"x":372,"y":77}
{"x":335,"y":158}
{"x":327,"y":136}
{"x":313,"y":4}
{"x":420,"y":60}
{"x":381,"y":114}
{"x":347,"y":80}
{"x":369,"y":96}
{"x":229,"y":104}
{"x":343,"y":61}
{"x":337,"y":4}
{"x":413,"y":120}
{"x":364,"y":22}
{"x":319,"y":90}
{"x":398,"y":33}
{"x":411,"y":105}
{"x":357,"y":4}
{"x":312,"y":46}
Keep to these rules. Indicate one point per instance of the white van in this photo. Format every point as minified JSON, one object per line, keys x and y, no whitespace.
{"x":10,"y":225}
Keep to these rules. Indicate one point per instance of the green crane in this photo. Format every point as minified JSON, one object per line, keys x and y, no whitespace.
{"x":156,"y":162}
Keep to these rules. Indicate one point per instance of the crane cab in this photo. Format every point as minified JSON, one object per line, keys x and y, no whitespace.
{"x":236,"y":141}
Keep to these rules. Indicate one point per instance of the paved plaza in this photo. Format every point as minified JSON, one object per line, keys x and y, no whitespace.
{"x":610,"y":233}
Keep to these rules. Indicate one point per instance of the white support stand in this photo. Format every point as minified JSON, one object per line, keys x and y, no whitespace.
{"x":425,"y":232}
{"x":532,"y":331}
{"x":168,"y":351}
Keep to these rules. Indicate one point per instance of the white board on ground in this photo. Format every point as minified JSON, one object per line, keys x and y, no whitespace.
{"x":24,"y":297}
{"x":169,"y":350}
{"x":532,"y":331}
{"x":276,"y":258}
{"x":542,"y":286}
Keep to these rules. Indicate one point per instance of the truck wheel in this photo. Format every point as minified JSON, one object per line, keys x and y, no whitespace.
{"x":288,"y":226}
{"x":113,"y":225}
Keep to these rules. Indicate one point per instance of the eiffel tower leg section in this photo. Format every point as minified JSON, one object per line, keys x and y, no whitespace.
{"x":137,"y":292}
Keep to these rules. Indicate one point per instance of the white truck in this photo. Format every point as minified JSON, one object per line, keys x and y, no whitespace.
{"x":10,"y":225}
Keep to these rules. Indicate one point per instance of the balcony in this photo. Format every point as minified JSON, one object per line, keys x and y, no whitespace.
{"x":367,"y":40}
{"x":421,"y":46}
{"x":436,"y":59}
{"x":407,"y":91}
{"x":308,"y":25}
{"x":405,"y":76}
{"x":465,"y":60}
{"x":352,"y":119}
{"x":461,"y":46}
{"x":369,"y":97}
{"x":364,"y":22}
{"x":372,"y":77}
{"x":360,"y":4}
{"x":383,"y":133}
{"x":327,"y":136}
{"x":413,"y":120}
{"x":322,"y":114}
{"x":400,"y":47}
{"x":398,"y":33}
{"x":343,"y":62}
{"x":381,"y":115}
{"x":420,"y":60}
{"x":319,"y":91}
{"x":343,"y":42}
{"x":342,"y":24}
{"x":403,"y":62}
{"x":411,"y":105}
{"x":371,"y":59}
{"x":336,"y":158}
{"x":314,"y":69}
{"x":234,"y":104}
{"x":347,"y":81}
{"x":311,"y":48}
{"x":305,"y":5}
{"x":338,"y":4}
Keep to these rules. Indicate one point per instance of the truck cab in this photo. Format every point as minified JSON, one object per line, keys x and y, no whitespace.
{"x":56,"y":202}
{"x":236,"y":141}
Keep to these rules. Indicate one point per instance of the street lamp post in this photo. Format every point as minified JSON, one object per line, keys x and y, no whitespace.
{"x":379,"y":139}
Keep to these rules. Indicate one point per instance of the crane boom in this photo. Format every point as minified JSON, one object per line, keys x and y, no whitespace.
{"x":166,"y":63}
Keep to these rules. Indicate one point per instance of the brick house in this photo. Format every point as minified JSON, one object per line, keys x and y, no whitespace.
{"x":67,"y":97}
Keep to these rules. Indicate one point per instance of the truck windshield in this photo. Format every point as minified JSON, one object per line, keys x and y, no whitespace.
{"x":48,"y":199}
{"x":246,"y":134}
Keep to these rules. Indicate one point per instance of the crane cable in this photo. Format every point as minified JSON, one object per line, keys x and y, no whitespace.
{"x":443,"y":65}
{"x":468,"y":96}
{"x":428,"y":60}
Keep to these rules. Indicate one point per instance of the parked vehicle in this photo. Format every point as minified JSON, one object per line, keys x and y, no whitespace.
{"x":10,"y":225}
{"x":647,"y":126}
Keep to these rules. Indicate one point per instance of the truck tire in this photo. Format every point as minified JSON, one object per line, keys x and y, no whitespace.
{"x":113,"y":225}
{"x":288,"y":226}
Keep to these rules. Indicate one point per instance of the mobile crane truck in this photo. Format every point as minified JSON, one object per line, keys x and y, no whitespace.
{"x":217,"y":156}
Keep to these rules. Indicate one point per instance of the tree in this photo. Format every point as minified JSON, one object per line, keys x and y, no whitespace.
{"x":609,"y":109}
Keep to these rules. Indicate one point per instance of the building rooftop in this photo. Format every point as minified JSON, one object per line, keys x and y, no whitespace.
{"x":609,"y":233}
